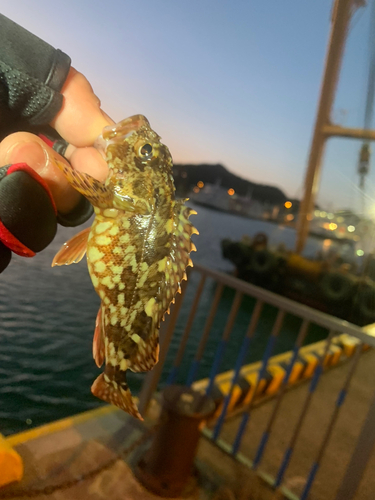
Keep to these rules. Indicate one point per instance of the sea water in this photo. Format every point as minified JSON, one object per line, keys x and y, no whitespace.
{"x":47,"y":319}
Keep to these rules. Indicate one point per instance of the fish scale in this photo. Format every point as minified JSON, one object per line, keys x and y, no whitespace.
{"x":137,"y":251}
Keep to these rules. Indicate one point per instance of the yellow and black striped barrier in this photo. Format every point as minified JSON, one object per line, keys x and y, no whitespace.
{"x":342,"y":347}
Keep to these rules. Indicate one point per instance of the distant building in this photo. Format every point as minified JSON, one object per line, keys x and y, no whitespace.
{"x":220,"y":198}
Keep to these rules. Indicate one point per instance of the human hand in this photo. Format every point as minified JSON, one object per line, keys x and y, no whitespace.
{"x":79,"y":122}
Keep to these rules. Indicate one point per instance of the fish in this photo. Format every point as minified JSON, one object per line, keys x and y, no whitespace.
{"x":138,"y":249}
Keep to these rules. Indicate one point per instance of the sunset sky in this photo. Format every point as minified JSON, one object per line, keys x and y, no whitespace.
{"x":222,"y":81}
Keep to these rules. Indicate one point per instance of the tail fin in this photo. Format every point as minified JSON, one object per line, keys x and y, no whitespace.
{"x":113,"y":393}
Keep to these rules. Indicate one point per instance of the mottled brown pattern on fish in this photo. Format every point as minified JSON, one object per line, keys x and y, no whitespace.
{"x":137,"y":252}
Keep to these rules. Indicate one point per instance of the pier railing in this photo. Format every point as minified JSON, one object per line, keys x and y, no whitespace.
{"x":203,"y":296}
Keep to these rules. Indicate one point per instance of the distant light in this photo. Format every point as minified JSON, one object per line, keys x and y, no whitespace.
{"x":288,"y":204}
{"x":317,"y":213}
{"x":309,"y":217}
{"x":290,"y":217}
{"x":231,"y":191}
{"x":340,"y":219}
{"x":360,"y":253}
{"x":330,"y":216}
{"x":196,"y":189}
{"x":323,"y":214}
{"x":332,"y":226}
{"x":351,"y":229}
{"x":200,"y":184}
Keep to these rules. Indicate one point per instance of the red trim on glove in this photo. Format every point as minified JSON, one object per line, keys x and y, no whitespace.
{"x":24,"y":167}
{"x":5,"y":235}
{"x":15,"y":245}
{"x":46,"y":140}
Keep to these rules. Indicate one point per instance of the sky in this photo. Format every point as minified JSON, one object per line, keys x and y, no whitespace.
{"x":222,"y":81}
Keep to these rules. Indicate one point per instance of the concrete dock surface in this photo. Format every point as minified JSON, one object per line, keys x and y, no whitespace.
{"x":56,"y":456}
{"x":341,"y":444}
{"x":60,"y":453}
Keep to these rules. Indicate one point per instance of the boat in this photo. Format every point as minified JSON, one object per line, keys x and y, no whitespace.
{"x":328,"y":284}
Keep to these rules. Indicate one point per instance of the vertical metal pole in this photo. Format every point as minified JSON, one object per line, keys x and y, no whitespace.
{"x":266,"y":434}
{"x":339,"y":402}
{"x":340,"y":23}
{"x":223,"y":342}
{"x":360,"y":457}
{"x":181,"y":350}
{"x":206,"y":332}
{"x":239,"y":363}
{"x":313,"y":384}
{"x":267,"y":354}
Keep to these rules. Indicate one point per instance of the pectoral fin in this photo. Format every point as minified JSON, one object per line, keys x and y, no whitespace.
{"x":95,"y":191}
{"x":73,"y":250}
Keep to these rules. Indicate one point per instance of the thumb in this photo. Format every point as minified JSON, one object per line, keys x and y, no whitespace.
{"x":23,"y":147}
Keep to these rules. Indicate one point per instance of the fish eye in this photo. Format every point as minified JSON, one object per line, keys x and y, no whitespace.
{"x":146,"y":151}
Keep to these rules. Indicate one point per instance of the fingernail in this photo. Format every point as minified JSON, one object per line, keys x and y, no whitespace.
{"x":31,"y":153}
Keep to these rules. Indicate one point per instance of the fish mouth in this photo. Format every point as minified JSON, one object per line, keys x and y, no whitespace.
{"x":125,"y":127}
{"x":101,"y":146}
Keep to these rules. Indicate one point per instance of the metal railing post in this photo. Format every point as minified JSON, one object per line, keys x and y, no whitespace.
{"x":339,"y":402}
{"x":224,"y":340}
{"x":185,"y":337}
{"x":267,"y":354}
{"x":239,"y":363}
{"x":313,"y":384}
{"x":266,"y":434}
{"x":360,"y":457}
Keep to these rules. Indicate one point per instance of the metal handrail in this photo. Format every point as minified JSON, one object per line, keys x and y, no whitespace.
{"x":365,"y":334}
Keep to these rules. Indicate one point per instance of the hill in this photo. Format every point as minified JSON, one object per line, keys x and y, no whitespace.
{"x":186,"y":177}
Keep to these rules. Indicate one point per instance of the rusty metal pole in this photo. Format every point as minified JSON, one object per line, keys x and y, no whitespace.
{"x":167,"y":466}
{"x":340,"y":22}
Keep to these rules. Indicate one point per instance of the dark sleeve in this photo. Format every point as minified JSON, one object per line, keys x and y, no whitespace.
{"x":32,"y":74}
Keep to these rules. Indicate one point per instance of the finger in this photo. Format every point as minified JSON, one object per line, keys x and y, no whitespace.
{"x":80,"y":119}
{"x":88,"y":160}
{"x":23,"y":147}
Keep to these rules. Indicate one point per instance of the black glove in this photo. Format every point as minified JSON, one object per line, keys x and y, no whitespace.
{"x":28,"y":213}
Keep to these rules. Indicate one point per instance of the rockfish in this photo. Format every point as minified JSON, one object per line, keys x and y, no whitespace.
{"x":137,"y":251}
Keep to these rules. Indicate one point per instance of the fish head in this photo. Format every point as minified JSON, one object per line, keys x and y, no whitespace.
{"x":137,"y":161}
